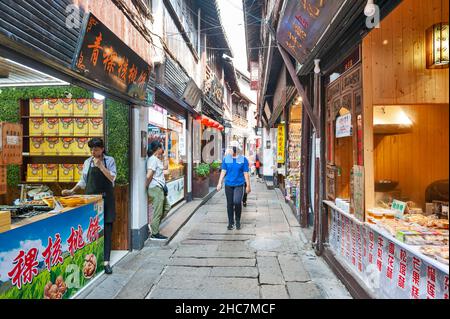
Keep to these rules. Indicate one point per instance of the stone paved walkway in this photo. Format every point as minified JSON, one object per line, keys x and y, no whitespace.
{"x":269,"y":257}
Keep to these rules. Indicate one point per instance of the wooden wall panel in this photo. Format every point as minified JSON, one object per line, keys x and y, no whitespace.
{"x":397,"y":56}
{"x":419,"y":158}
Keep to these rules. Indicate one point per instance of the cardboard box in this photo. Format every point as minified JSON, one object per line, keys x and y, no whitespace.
{"x":78,"y":172}
{"x":67,"y":146}
{"x":52,"y":146}
{"x":66,"y":126}
{"x":37,"y":107}
{"x":37,"y":146}
{"x":66,"y":173}
{"x":81,"y":147}
{"x":95,"y":127}
{"x":51,"y":107}
{"x":81,"y":127}
{"x":96,"y":108}
{"x":36,"y":126}
{"x":50,"y":173}
{"x":51,"y":126}
{"x":35,"y":172}
{"x":81,"y":107}
{"x":65,"y":107}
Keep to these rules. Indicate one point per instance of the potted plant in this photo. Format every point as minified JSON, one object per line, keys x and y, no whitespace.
{"x":215,"y":173}
{"x":200,"y":182}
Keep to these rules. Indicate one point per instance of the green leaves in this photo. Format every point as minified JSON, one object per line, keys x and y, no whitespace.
{"x":202,"y":170}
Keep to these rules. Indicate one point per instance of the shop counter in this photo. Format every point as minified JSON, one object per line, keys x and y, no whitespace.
{"x":52,"y":255}
{"x":390,"y":268}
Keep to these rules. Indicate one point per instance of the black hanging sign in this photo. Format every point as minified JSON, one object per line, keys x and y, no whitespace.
{"x":303,"y":23}
{"x":105,"y":58}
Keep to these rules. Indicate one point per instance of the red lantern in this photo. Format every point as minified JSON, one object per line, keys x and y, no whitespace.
{"x":216,"y":124}
{"x":205,"y":120}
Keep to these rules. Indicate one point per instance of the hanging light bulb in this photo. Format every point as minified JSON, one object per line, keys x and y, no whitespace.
{"x":317,"y":67}
{"x":370,"y":8}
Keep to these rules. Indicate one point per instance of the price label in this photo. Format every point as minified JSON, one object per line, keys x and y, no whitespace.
{"x":399,"y":207}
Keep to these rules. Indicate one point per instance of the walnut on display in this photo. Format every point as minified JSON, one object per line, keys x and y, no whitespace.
{"x":56,"y":290}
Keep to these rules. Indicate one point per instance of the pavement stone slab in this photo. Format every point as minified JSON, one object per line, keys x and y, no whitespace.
{"x":308,"y":290}
{"x":213,"y":262}
{"x":269,"y":271}
{"x":274,"y":292}
{"x":249,"y":272}
{"x":293,"y":269}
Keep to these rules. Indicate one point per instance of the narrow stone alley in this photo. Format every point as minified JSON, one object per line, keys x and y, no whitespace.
{"x":269,"y":258}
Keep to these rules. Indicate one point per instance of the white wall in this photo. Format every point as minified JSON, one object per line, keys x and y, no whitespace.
{"x":139,"y":204}
{"x":268,"y":159}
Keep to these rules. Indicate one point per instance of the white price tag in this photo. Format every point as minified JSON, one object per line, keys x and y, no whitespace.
{"x":317,"y":147}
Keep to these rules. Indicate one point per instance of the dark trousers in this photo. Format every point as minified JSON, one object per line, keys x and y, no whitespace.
{"x":234,"y":196}
{"x":244,"y":199}
{"x":108,"y":241}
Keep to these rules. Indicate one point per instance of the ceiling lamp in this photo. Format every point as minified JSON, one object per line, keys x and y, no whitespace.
{"x":437,"y":46}
{"x":370,"y":9}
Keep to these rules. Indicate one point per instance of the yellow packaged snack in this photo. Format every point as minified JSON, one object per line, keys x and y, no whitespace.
{"x":96,"y":108}
{"x":37,"y":146}
{"x":37,"y":107}
{"x":81,"y":107}
{"x":50,"y":109}
{"x":66,"y":173}
{"x":65,"y":107}
{"x":51,"y":126}
{"x":81,"y":147}
{"x":95,"y":127}
{"x":81,"y":127}
{"x":36,"y":126}
{"x":51,"y":146}
{"x":50,"y":173}
{"x":78,"y":172}
{"x":66,"y":126}
{"x":67,"y":146}
{"x":34,"y":172}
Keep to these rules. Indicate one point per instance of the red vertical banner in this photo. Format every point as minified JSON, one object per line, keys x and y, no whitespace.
{"x":254,"y":76}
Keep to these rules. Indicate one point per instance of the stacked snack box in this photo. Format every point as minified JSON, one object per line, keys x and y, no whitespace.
{"x":67,"y":146}
{"x":51,"y":107}
{"x":81,"y":107}
{"x":50,"y":173}
{"x":37,"y":146}
{"x":78,"y":172}
{"x":65,"y":107}
{"x":35,"y":172}
{"x":96,"y":108}
{"x":66,"y":173}
{"x":37,"y":107}
{"x":81,"y":147}
{"x":95,"y":127}
{"x":36,"y":126}
{"x":81,"y":127}
{"x":66,"y":126}
{"x":52,"y":146}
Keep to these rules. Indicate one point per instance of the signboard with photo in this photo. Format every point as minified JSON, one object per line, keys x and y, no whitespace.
{"x":52,"y":258}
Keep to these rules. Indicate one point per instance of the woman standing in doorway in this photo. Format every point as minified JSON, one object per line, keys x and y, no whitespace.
{"x":157,"y":189}
{"x":235,"y":170}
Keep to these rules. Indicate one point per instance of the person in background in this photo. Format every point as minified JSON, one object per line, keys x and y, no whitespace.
{"x":157,"y":189}
{"x":235,"y":170}
{"x":258,"y":166}
{"x":99,"y":174}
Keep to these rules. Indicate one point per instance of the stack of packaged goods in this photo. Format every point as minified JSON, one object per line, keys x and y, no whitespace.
{"x":429,"y":233}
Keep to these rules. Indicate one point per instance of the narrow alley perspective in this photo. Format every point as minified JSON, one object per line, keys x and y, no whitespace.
{"x":179,"y":153}
{"x":269,"y":258}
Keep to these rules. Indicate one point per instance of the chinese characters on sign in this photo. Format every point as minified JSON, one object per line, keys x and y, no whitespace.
{"x":103,"y":57}
{"x":303,"y":23}
{"x":344,"y":126}
{"x":280,"y":144}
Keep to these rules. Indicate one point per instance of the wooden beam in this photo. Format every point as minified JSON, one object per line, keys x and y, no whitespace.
{"x":299,"y":87}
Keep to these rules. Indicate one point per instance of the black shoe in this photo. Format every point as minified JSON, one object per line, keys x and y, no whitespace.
{"x":230,"y":227}
{"x":108,"y":270}
{"x":158,"y":237}
{"x":238,"y":226}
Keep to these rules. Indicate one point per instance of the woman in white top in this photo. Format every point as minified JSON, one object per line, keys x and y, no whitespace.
{"x":157,"y":190}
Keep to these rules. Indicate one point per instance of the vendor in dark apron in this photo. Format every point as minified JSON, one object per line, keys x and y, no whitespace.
{"x":99,"y":172}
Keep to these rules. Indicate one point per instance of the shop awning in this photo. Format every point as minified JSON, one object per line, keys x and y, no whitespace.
{"x":167,"y":98}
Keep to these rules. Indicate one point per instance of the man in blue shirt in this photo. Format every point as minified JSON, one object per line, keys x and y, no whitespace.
{"x":235,"y":170}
